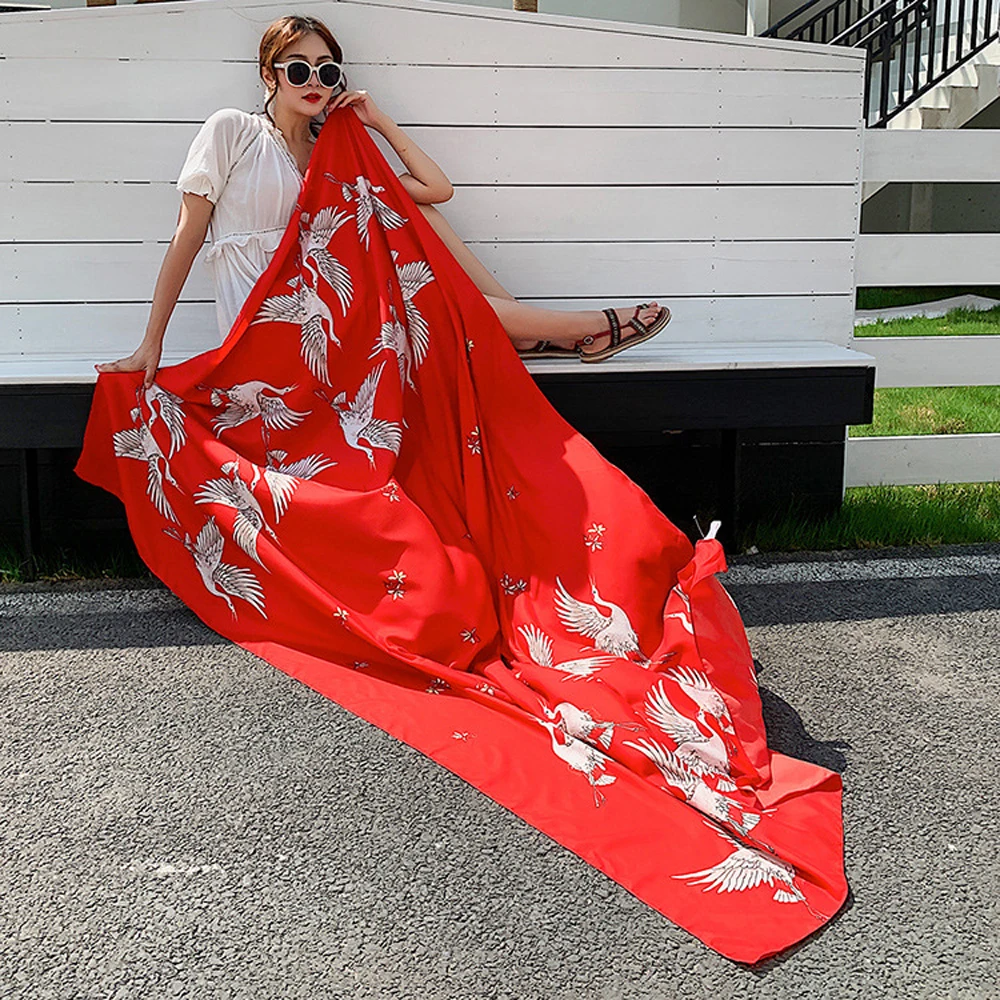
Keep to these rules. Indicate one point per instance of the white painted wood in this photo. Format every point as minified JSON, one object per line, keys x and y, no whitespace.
{"x":116,"y":272}
{"x":933,"y":361}
{"x":643,"y":156}
{"x":597,"y":163}
{"x":76,"y":367}
{"x":373,"y":32}
{"x":116,"y":151}
{"x":97,"y":210}
{"x":49,"y":327}
{"x":923,"y":459}
{"x":92,"y":272}
{"x":931,"y":155}
{"x":663,"y":354}
{"x":106,"y":331}
{"x":449,"y":95}
{"x":549,"y":269}
{"x":927,"y":259}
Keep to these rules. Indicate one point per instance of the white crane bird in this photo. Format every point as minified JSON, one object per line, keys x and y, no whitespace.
{"x":314,"y":241}
{"x":235,"y":493}
{"x":357,"y":422}
{"x":413,"y":276}
{"x":581,"y":725}
{"x":612,"y":634}
{"x":170,"y":409}
{"x":746,"y":868}
{"x":540,"y":651}
{"x":579,"y":756}
{"x":138,"y":442}
{"x":369,"y":205}
{"x":701,"y":753}
{"x":694,"y":789}
{"x":305,"y":309}
{"x":221,"y":579}
{"x":249,"y":400}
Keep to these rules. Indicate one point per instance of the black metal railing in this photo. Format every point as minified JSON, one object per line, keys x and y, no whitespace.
{"x":912,"y":45}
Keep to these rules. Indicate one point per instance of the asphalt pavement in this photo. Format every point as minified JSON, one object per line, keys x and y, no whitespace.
{"x":181,"y":819}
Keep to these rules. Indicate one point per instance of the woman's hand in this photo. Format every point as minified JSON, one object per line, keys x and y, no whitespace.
{"x":146,"y":357}
{"x":364,"y":106}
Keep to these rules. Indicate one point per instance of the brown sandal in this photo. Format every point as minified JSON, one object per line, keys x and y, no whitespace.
{"x":617,"y":343}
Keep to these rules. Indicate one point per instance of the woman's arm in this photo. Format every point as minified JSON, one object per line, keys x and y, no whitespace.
{"x":192,"y":225}
{"x":426,"y":182}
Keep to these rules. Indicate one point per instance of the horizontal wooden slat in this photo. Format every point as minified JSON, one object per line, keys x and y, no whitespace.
{"x":87,"y":272}
{"x":683,"y":268}
{"x":380,"y":32}
{"x":934,"y":361}
{"x":922,"y":459}
{"x":113,"y":151}
{"x":658,"y":355}
{"x":931,"y":154}
{"x":114,"y":329}
{"x":108,"y":330}
{"x":928,"y":259}
{"x":100,"y":211}
{"x":118,"y":272}
{"x":447,"y":95}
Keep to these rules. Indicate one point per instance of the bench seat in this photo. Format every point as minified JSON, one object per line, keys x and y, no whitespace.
{"x":773,"y":414}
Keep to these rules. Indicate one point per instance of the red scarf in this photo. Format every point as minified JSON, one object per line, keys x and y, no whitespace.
{"x":364,"y":486}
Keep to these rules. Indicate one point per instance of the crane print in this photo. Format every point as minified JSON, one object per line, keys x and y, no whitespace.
{"x":413,"y":276}
{"x":701,"y":753}
{"x":221,"y":579}
{"x":138,"y":442}
{"x":168,"y":407}
{"x":707,"y":800}
{"x":252,"y":400}
{"x":357,"y":421}
{"x":231,"y":490}
{"x":577,"y":755}
{"x":746,"y":868}
{"x":611,"y":633}
{"x":540,"y":651}
{"x":304,"y":308}
{"x":314,"y":242}
{"x":369,"y":206}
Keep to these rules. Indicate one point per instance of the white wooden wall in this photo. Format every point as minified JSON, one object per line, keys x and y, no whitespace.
{"x":594,"y":163}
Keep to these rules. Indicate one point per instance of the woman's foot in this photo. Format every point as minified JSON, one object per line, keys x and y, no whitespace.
{"x":598,"y":329}
{"x":602,"y":335}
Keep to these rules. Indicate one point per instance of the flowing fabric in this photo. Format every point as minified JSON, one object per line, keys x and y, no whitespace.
{"x":364,"y":486}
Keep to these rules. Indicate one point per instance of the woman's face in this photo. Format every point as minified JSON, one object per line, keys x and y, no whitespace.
{"x":312,"y":98}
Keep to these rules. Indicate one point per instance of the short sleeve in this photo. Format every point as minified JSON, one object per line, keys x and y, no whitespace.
{"x":212,"y":153}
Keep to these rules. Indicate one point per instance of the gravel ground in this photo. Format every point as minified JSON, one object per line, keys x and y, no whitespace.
{"x":184,"y":820}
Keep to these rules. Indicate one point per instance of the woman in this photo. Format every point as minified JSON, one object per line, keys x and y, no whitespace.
{"x":241,"y":179}
{"x":365,"y":487}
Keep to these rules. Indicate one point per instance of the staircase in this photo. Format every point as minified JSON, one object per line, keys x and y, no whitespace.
{"x":931,"y":63}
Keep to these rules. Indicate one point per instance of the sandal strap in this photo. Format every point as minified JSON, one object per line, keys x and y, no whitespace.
{"x":616,"y":330}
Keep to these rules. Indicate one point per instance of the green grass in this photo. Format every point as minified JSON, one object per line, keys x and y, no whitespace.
{"x":878,"y":516}
{"x":956,"y":323}
{"x":887,"y":298}
{"x":973,"y":409}
{"x":65,"y":562}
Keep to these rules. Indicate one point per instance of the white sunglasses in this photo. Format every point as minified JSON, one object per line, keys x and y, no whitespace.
{"x":298,"y":72}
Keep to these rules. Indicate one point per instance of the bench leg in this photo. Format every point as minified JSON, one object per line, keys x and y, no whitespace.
{"x":30,"y":517}
{"x":729,"y":486}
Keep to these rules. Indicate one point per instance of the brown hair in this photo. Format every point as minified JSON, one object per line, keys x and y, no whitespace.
{"x":284,"y":32}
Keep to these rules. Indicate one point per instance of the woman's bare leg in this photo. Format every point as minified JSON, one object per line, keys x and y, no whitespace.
{"x":526,"y":325}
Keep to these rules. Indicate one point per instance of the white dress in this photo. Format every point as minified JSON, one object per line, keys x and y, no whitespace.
{"x":239,"y":160}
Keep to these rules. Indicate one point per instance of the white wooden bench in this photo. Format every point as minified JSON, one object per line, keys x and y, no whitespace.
{"x":753,"y":397}
{"x":595,"y":164}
